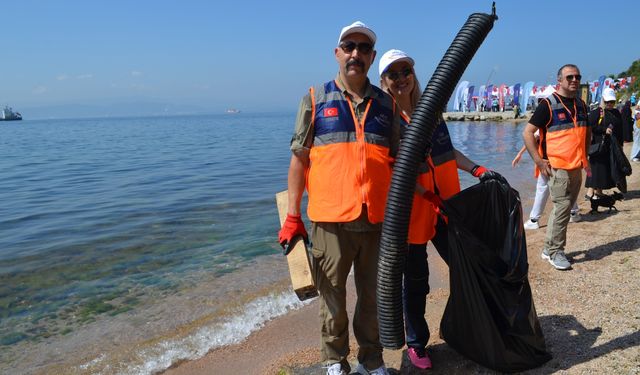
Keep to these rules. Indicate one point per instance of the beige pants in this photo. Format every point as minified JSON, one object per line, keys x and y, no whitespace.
{"x":334,"y":251}
{"x":564,"y":186}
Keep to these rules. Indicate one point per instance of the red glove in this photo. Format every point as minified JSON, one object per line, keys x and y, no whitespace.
{"x":478,"y":170}
{"x":485,"y":174}
{"x":292,"y":227}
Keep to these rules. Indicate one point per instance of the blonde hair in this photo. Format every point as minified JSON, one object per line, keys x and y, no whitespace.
{"x":416,"y":93}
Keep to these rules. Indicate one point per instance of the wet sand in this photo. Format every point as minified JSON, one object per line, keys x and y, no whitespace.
{"x":590,"y":315}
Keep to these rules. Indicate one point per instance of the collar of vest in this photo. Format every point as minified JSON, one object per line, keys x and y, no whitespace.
{"x":556,"y":99}
{"x":370,"y":90}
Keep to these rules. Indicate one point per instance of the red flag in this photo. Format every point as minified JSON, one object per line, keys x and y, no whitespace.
{"x":330,"y":112}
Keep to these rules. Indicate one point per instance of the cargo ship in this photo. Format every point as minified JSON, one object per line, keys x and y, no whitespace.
{"x":7,"y":114}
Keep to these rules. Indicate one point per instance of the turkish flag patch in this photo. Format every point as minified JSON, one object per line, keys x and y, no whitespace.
{"x":330,"y":112}
{"x":562,"y":116}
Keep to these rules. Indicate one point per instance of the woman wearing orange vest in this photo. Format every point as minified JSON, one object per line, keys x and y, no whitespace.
{"x":397,"y":77}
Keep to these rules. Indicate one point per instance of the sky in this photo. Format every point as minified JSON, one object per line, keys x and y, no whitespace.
{"x":262,"y":56}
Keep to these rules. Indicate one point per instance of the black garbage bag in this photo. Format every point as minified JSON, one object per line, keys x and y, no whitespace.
{"x":490,"y":316}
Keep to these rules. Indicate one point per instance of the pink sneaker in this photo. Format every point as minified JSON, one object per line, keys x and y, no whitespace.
{"x":419,"y":358}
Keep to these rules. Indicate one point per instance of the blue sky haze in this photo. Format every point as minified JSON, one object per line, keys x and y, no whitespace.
{"x":262,"y":56}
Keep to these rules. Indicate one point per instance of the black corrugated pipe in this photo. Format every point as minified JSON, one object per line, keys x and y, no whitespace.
{"x":415,"y":145}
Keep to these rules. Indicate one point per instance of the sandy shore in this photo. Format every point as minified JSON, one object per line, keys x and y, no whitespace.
{"x":590,"y":315}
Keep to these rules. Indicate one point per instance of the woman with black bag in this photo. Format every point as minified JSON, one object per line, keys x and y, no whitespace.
{"x":603,"y":122}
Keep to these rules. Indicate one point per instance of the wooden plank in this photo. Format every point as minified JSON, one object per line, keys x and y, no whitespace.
{"x":298,"y":258}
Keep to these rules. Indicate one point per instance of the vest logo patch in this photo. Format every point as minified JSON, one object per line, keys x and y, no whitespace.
{"x":330,"y":112}
{"x":383,"y":120}
{"x":562,"y":116}
{"x":442,"y":138}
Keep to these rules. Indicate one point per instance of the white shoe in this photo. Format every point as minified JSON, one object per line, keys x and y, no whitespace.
{"x":530,"y":225}
{"x":379,"y":371}
{"x":336,"y":369}
{"x":575,"y":217}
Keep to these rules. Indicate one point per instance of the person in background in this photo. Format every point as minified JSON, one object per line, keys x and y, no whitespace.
{"x":635,"y":149}
{"x":542,"y":195}
{"x":347,"y":133}
{"x":603,"y":123}
{"x":627,"y":122}
{"x":560,"y":155}
{"x":437,"y":175}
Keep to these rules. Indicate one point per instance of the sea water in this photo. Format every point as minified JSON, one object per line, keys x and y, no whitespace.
{"x":128,"y":244}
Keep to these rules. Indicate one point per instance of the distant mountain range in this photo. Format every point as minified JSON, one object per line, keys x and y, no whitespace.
{"x":113,"y":110}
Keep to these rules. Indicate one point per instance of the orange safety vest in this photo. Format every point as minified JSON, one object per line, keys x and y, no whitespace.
{"x":350,"y":162}
{"x":444,"y":159}
{"x":423,"y":215}
{"x":565,"y":136}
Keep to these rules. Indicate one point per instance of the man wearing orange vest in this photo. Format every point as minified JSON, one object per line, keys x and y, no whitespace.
{"x":347,"y":132}
{"x":560,"y":155}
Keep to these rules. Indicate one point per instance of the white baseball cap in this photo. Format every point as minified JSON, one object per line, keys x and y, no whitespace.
{"x":357,"y":27}
{"x":608,"y":95}
{"x":391,"y":56}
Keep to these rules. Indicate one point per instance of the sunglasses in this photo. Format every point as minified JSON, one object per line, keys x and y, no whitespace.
{"x":394,"y":76}
{"x":573,"y":77}
{"x":348,"y":46}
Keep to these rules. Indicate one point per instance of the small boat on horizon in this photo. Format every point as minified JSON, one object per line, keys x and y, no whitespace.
{"x":232,"y":110}
{"x":7,"y":114}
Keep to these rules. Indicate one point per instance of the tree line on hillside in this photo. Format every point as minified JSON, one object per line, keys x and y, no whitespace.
{"x":633,"y":71}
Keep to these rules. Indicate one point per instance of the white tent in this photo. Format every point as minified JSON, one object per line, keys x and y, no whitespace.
{"x":543,"y":92}
{"x":458,"y":97}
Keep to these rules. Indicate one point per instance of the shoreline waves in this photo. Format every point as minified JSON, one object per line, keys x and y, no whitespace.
{"x":193,"y":322}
